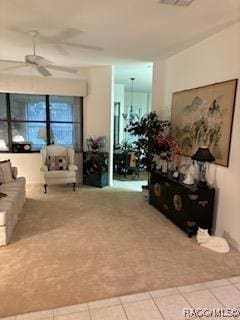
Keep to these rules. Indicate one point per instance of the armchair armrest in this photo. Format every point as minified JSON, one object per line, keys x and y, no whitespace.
{"x":72,"y":167}
{"x":14,"y":172}
{"x":44,"y":168}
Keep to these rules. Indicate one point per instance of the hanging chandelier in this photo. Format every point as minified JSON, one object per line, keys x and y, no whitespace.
{"x":132,"y":79}
{"x":125,"y":115}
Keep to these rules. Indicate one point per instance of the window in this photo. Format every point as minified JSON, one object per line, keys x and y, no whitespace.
{"x":28,"y":118}
{"x":40,"y":120}
{"x":3,"y":123}
{"x":64,"y":120}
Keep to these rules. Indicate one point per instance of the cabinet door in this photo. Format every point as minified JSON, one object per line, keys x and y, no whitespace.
{"x":178,"y":204}
{"x":158,"y":194}
{"x":202,"y":208}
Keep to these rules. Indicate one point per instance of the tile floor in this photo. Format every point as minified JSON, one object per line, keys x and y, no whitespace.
{"x":129,"y":185}
{"x":165,"y":304}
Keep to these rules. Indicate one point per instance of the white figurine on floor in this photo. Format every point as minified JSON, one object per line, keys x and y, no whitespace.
{"x":190,"y":175}
{"x":214,"y":243}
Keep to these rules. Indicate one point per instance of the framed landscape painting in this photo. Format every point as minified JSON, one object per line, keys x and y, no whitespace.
{"x":203,"y":117}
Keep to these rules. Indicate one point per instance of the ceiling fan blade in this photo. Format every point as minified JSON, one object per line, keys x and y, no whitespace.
{"x":43,"y":71}
{"x":12,"y":61}
{"x":60,"y":36}
{"x":62,"y":68}
{"x":82,"y":46}
{"x":42,"y":61}
{"x":15,"y":67}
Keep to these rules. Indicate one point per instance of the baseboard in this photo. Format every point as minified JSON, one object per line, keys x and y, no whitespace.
{"x":232,"y":242}
{"x":34,"y":182}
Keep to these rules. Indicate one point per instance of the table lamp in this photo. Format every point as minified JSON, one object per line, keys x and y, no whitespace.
{"x":42,"y":134}
{"x":203,"y":156}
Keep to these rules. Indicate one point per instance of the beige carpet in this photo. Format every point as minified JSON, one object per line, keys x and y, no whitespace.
{"x":71,"y":248}
{"x":143,"y":175}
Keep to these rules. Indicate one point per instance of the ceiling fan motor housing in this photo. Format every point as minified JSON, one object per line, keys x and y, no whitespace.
{"x":34,"y":59}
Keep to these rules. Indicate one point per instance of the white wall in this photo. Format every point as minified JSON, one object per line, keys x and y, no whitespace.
{"x":28,"y":165}
{"x":43,"y":85}
{"x":213,"y":60}
{"x":158,"y":89}
{"x":98,"y":107}
{"x":141,"y":100}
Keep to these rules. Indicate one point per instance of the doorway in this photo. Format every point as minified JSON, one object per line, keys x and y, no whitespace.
{"x":132,"y":100}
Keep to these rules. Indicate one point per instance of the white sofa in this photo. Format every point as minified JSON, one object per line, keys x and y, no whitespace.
{"x":10,"y":207}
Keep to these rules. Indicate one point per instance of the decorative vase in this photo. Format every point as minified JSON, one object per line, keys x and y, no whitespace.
{"x":164,"y":166}
{"x":94,"y":148}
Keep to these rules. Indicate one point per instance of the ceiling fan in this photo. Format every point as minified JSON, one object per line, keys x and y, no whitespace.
{"x":61,"y":40}
{"x":39,"y":63}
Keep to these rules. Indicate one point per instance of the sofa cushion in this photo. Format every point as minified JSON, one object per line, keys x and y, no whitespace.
{"x":14,"y":172}
{"x":5,"y":212}
{"x":5,"y":171}
{"x":10,"y":207}
{"x":16,"y":184}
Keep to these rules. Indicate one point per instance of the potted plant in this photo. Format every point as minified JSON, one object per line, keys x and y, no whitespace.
{"x":147,"y":129}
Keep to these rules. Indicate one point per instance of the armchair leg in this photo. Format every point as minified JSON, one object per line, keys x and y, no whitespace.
{"x":45,"y":188}
{"x":74,"y":186}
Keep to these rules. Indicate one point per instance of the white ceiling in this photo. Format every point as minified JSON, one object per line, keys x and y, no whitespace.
{"x":129,"y":31}
{"x":141,"y":71}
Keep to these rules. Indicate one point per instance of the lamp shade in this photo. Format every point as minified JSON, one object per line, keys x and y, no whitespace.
{"x":203,"y":155}
{"x":42,"y":134}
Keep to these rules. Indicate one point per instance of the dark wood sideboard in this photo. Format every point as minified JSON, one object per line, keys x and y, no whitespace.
{"x":187,"y":206}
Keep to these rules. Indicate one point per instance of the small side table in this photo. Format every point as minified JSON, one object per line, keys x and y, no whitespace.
{"x":95,"y":168}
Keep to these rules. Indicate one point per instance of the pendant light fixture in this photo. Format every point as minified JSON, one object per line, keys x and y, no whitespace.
{"x":131,"y":114}
{"x":132,"y":79}
{"x":125,"y":115}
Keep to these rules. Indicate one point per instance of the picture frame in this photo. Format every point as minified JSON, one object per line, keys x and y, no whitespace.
{"x":203,"y":116}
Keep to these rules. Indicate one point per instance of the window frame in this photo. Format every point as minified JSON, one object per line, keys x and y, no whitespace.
{"x":48,"y":121}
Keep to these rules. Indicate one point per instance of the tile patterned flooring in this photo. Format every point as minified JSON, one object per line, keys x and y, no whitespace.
{"x":165,"y":304}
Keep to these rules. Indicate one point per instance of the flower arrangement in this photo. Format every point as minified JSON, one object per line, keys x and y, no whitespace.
{"x":96,"y":143}
{"x":168,"y":149}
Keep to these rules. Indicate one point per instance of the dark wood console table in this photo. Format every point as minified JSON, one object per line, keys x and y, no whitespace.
{"x":187,"y":206}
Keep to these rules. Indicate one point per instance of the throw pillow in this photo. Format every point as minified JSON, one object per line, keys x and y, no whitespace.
{"x":57,"y":163}
{"x":14,"y":172}
{"x":5,"y":171}
{"x":61,"y":163}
